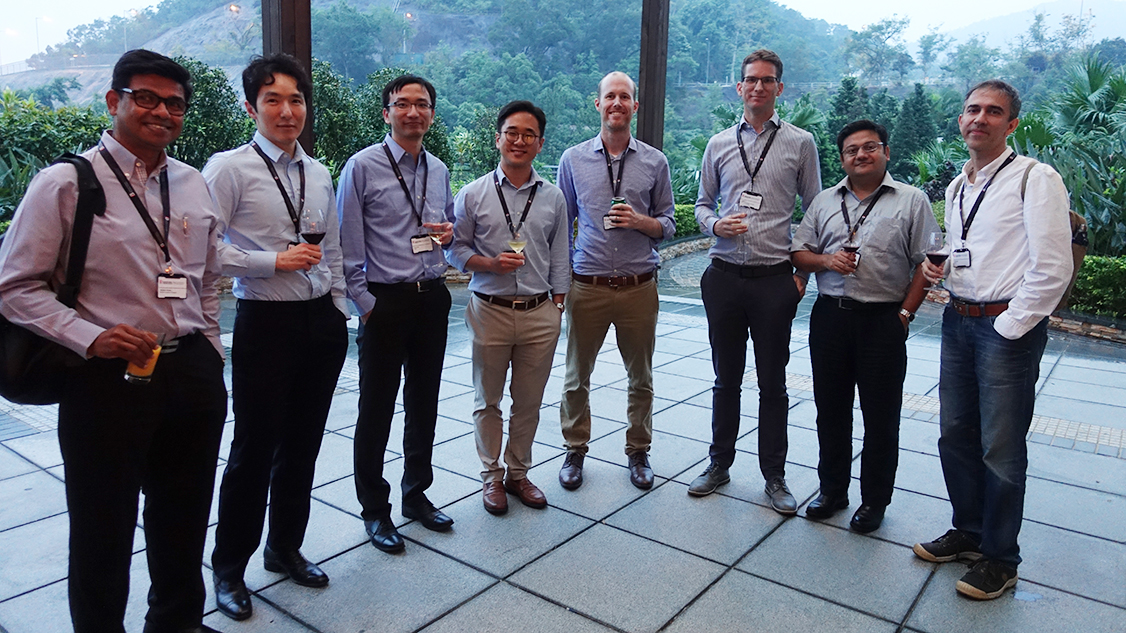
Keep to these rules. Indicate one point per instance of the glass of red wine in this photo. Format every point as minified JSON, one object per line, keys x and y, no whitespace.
{"x":313,"y":226}
{"x":852,"y":245}
{"x":937,"y":252}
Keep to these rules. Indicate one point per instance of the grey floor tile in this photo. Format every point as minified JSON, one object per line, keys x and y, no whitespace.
{"x":372,"y":589}
{"x":507,"y":608}
{"x":1082,"y":390}
{"x":1069,"y":467}
{"x":461,"y":374}
{"x":1030,"y":607}
{"x":1110,"y":360}
{"x":457,"y":408}
{"x":42,"y":449}
{"x":922,"y":367}
{"x":445,"y":428}
{"x":611,"y":403}
{"x":29,"y":498}
{"x":1088,"y":511}
{"x":741,"y":602}
{"x":747,"y":482}
{"x":335,"y":459}
{"x":916,"y":472}
{"x":919,"y":436}
{"x":34,"y":555}
{"x":460,"y":456}
{"x":922,"y":385}
{"x":691,"y":421}
{"x":838,"y":566}
{"x":341,"y":494}
{"x":641,"y":584}
{"x":45,"y":610}
{"x":669,"y":455}
{"x":803,"y":413}
{"x":447,"y":488}
{"x":697,"y":335}
{"x":606,"y":488}
{"x":673,"y":387}
{"x":1098,"y":378}
{"x":1091,"y":567}
{"x":13,"y":465}
{"x":909,"y":519}
{"x":1071,"y":409}
{"x":690,"y":367}
{"x":702,"y":526}
{"x":266,"y":619}
{"x":225,"y":441}
{"x":803,"y":449}
{"x":345,"y":408}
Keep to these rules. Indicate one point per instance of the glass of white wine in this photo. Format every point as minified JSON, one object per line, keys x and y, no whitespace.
{"x":432,"y":221}
{"x":517,"y":242}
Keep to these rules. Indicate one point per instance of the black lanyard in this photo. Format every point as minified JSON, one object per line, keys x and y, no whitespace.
{"x":285,"y":196}
{"x":615,"y":183}
{"x":762,"y":156}
{"x":844,"y":211}
{"x":966,"y":222}
{"x":403,"y":183}
{"x":504,"y":205}
{"x":136,"y":200}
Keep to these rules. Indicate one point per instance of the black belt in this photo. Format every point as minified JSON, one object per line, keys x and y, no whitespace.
{"x":844,"y":303}
{"x":750,"y":272}
{"x":426,"y":285}
{"x":519,"y":304}
{"x":184,"y":342}
{"x":613,"y":282}
{"x":978,"y":308}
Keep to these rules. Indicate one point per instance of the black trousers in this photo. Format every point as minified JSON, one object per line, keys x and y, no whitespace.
{"x":863,"y":349}
{"x":286,"y":357}
{"x":119,"y":439}
{"x":404,"y":336}
{"x":764,"y":307}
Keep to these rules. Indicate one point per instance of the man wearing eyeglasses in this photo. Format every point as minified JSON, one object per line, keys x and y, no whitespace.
{"x":619,"y":191}
{"x":858,"y":327}
{"x":512,"y":233}
{"x":757,"y":169}
{"x":396,"y":220}
{"x":150,"y":275}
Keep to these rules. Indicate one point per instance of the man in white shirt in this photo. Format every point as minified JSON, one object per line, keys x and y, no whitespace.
{"x":1010,"y":262}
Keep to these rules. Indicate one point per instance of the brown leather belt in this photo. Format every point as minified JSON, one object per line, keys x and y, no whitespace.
{"x":519,"y":304}
{"x":613,"y":282}
{"x":979,"y":309}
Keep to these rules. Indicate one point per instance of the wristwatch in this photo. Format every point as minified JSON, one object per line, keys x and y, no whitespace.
{"x":904,"y":312}
{"x":560,"y":306}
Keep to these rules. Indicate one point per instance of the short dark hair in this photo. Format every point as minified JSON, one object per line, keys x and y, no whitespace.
{"x":762,"y":55}
{"x":400,"y":82}
{"x":514,"y":107}
{"x":1003,"y":87}
{"x":142,"y":62}
{"x":861,"y":126}
{"x":261,"y":70}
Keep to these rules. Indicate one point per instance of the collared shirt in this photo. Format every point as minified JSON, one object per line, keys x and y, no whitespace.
{"x":481,"y":229}
{"x":1020,"y":251}
{"x":119,"y":282}
{"x":790,"y":169}
{"x":893,"y":239}
{"x":647,"y":188}
{"x":255,"y":224}
{"x":377,"y":224}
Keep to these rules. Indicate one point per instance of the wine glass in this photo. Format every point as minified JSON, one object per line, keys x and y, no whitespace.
{"x":518,"y":241}
{"x":432,"y":221}
{"x":313,"y":226}
{"x":852,"y":245}
{"x":937,"y":251}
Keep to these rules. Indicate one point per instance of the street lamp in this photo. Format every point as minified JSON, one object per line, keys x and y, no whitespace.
{"x":406,"y":25}
{"x":125,"y":28}
{"x":708,"y":67}
{"x":234,"y":8}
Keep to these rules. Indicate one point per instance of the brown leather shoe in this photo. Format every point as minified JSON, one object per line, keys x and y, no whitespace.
{"x":640,"y":474}
{"x":571,"y":474}
{"x":496,"y":501}
{"x":527,"y":492}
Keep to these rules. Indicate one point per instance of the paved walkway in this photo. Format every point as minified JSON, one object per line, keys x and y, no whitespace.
{"x":609,"y":557}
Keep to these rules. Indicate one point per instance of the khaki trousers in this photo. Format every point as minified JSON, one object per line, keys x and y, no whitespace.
{"x":525,"y":340}
{"x":590,"y":311}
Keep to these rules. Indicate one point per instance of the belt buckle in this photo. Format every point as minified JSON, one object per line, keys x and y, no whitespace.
{"x":841,"y":303}
{"x":615,"y":282}
{"x":419,"y":288}
{"x":520,"y":305}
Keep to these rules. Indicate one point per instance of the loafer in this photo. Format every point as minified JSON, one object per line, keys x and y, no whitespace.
{"x":496,"y":500}
{"x":640,"y":474}
{"x":526,"y":492}
{"x":299,"y":569}
{"x":867,"y":518}
{"x":780,"y":498}
{"x":430,"y":517}
{"x":713,"y":477}
{"x":384,"y":536}
{"x":232,"y":599}
{"x":571,"y":474}
{"x":825,"y":506}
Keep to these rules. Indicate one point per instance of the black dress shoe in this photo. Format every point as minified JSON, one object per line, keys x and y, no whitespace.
{"x":867,"y":519}
{"x":384,"y":536}
{"x":300,"y":570}
{"x":571,"y":474}
{"x":156,"y":628}
{"x":825,"y":506}
{"x":232,"y":598}
{"x":640,"y":474}
{"x":430,"y":517}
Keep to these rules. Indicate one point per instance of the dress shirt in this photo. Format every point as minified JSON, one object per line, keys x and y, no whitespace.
{"x":480,"y":229}
{"x":254,"y":223}
{"x":376,"y":222}
{"x":586,"y":186}
{"x":1020,"y":250}
{"x":893,"y":239}
{"x":790,"y":169}
{"x":119,"y":282}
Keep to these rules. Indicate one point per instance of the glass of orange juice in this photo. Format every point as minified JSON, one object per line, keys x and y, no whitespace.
{"x":138,"y":374}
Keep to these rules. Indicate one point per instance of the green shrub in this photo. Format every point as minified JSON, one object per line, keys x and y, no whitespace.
{"x":939,"y":208}
{"x":28,"y":126}
{"x":685,"y":216}
{"x":1100,"y":287}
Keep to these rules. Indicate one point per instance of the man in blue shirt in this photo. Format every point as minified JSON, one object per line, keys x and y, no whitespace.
{"x":390,"y":197}
{"x":623,"y":212}
{"x":512,"y":232}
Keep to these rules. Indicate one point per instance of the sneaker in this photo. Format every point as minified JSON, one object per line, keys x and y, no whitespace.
{"x":954,"y":545}
{"x":987,"y":579}
{"x":713,"y":477}
{"x":780,"y":498}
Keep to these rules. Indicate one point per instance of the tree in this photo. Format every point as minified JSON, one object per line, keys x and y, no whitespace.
{"x":914,"y":131}
{"x":52,"y":93}
{"x":884,"y":109}
{"x":352,"y":40}
{"x":973,"y":61}
{"x":847,"y":105}
{"x":875,"y":50}
{"x":216,"y":120}
{"x":931,"y":46}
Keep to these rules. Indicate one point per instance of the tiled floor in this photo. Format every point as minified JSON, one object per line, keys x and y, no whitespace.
{"x":612,"y":557}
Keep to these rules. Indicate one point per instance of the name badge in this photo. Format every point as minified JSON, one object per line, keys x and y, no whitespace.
{"x":960,"y":258}
{"x":750,"y":200}
{"x":421,"y":244}
{"x":608,"y":222}
{"x":169,"y":286}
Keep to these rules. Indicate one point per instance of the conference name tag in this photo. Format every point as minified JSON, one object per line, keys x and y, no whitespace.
{"x":750,"y":200}
{"x":169,"y":286}
{"x":960,"y":258}
{"x":421,"y":244}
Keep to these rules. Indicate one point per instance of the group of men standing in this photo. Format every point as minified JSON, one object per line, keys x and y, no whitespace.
{"x":586,"y":247}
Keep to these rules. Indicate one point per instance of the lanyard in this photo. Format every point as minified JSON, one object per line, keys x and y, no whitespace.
{"x":762,"y":156}
{"x":285,"y":196}
{"x":504,"y":205}
{"x":844,"y":211}
{"x":164,"y":202}
{"x":615,"y":183}
{"x":966,"y":222}
{"x":403,"y":183}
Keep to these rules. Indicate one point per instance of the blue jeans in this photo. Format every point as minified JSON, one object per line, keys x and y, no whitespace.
{"x":987,"y":387}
